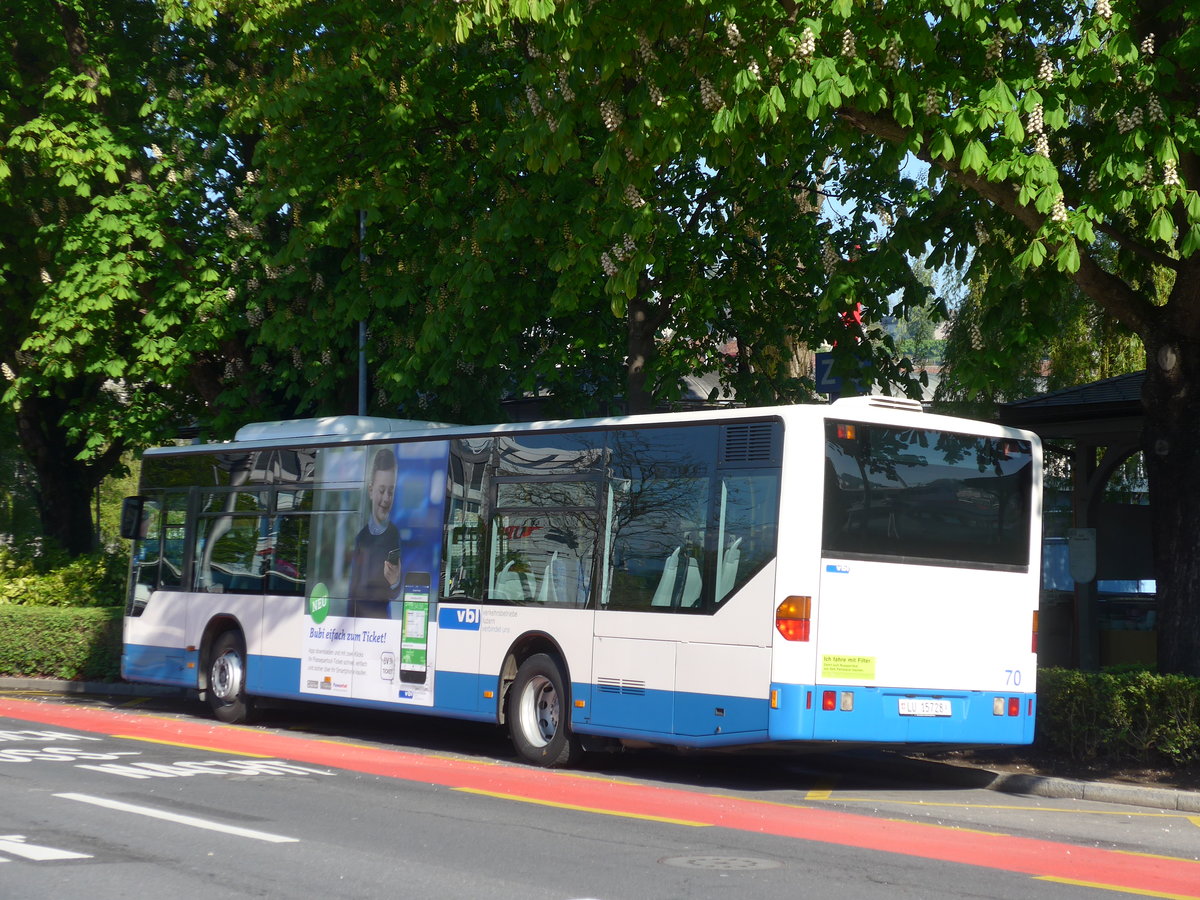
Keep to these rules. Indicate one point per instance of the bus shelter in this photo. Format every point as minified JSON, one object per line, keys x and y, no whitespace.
{"x":1098,"y":605}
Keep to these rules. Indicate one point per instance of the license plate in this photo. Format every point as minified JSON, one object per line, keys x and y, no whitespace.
{"x":913,"y":706}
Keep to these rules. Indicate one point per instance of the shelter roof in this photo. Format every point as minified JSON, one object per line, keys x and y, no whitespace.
{"x":1102,"y":412}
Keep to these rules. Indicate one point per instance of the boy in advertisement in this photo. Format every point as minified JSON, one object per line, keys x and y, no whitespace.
{"x":375,"y":564}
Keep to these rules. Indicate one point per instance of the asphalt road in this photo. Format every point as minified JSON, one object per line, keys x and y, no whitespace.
{"x":109,"y":797}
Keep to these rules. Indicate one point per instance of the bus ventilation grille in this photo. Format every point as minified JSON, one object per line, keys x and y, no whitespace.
{"x":749,"y":443}
{"x":621,"y":686}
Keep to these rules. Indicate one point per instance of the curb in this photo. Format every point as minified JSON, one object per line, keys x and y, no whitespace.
{"x":101,"y":688}
{"x":1097,"y":791}
{"x":1047,"y":786}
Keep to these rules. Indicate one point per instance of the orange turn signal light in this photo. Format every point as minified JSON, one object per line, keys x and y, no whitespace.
{"x":793,"y":618}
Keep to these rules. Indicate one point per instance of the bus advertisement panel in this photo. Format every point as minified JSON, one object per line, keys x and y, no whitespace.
{"x":366,"y":633}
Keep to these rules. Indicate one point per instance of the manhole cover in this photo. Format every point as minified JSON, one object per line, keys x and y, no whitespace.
{"x":725,"y":863}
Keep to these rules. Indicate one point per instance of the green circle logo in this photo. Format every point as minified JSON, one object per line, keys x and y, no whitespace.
{"x":318,"y":603}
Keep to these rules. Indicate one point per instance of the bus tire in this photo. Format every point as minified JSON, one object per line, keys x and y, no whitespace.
{"x":539,"y":714}
{"x":227,"y":680}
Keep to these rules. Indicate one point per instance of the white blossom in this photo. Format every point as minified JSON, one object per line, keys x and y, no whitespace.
{"x":1037,"y":120}
{"x":535,"y":103}
{"x":849,"y":44}
{"x":611,"y":113}
{"x":892,"y":60}
{"x":1045,"y":66}
{"x":709,"y":97}
{"x":1170,"y":174}
{"x":808,"y":43}
{"x":1058,"y":214}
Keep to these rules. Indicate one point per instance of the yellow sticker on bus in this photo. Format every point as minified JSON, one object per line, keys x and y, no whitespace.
{"x":859,"y":668}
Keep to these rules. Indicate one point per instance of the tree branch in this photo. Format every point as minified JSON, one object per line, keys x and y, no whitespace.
{"x":1108,"y":291}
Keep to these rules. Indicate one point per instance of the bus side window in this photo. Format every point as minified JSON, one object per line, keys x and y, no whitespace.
{"x":170,"y":573}
{"x":746,"y":534}
{"x":232,"y":551}
{"x":290,"y":556}
{"x":147,"y":556}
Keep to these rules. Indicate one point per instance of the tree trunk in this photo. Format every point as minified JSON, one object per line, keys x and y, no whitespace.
{"x":643,"y":322}
{"x":65,"y":484}
{"x":1171,"y":450}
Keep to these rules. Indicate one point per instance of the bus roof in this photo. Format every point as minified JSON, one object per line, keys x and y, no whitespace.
{"x":333,"y":430}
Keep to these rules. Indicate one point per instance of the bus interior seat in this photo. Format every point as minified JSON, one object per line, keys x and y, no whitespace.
{"x":514,"y":586}
{"x":666,"y":584}
{"x":549,"y":592}
{"x":727,"y":577}
{"x":693,"y":584}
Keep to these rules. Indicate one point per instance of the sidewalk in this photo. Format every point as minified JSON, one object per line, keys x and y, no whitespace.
{"x":931,"y":772}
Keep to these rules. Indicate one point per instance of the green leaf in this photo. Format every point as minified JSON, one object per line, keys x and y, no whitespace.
{"x":1032,"y":256}
{"x":941,"y":146}
{"x":1191,"y":243}
{"x":1162,"y":227}
{"x":975,"y":157}
{"x":1068,"y":257}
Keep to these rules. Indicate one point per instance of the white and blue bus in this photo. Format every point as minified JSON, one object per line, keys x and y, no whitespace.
{"x":860,"y":571}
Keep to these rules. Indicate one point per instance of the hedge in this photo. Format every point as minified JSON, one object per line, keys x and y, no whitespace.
{"x":1117,"y":717}
{"x":50,"y":642}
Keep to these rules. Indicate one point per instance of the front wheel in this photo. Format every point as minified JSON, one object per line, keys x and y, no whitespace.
{"x":227,"y":680}
{"x":538,"y":714}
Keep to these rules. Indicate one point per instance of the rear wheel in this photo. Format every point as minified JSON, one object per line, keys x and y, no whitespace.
{"x":538,"y":715}
{"x":227,"y":680}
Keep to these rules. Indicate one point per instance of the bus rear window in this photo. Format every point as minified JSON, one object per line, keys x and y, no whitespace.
{"x":923,"y":496}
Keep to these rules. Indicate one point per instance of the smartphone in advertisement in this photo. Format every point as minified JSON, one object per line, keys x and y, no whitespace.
{"x":414,"y":640}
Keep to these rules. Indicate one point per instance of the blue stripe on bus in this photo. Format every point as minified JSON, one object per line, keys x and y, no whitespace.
{"x":876,"y":717}
{"x":682,"y":718}
{"x":159,"y":665}
{"x":685,"y":719}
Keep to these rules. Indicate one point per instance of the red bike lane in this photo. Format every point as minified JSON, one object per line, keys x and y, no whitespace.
{"x":1113,"y":870}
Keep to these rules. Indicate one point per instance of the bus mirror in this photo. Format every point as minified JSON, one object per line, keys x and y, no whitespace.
{"x":131,"y":517}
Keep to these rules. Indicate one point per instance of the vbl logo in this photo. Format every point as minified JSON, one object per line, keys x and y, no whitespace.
{"x":459,"y":619}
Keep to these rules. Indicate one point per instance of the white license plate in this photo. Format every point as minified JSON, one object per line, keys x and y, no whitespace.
{"x":913,"y":706}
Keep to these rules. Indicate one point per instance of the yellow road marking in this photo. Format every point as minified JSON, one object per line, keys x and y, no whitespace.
{"x":1048,"y":809}
{"x":145,"y":740}
{"x":590,"y":809}
{"x":1115,"y":887}
{"x":823,"y":792}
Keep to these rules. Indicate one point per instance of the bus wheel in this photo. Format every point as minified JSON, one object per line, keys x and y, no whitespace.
{"x":538,"y":714}
{"x":227,"y":680}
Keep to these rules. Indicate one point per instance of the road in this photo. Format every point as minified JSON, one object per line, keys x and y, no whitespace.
{"x":100,"y":798}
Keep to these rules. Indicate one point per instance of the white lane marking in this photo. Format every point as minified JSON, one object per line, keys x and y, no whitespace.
{"x":16,"y":845}
{"x":180,"y":819}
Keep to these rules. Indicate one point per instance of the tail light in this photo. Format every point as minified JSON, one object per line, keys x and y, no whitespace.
{"x":793,"y":618}
{"x":1035,"y":630}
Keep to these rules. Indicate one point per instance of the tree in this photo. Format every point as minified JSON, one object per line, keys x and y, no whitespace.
{"x":521,"y":240}
{"x":111,"y":173}
{"x":1045,"y":125}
